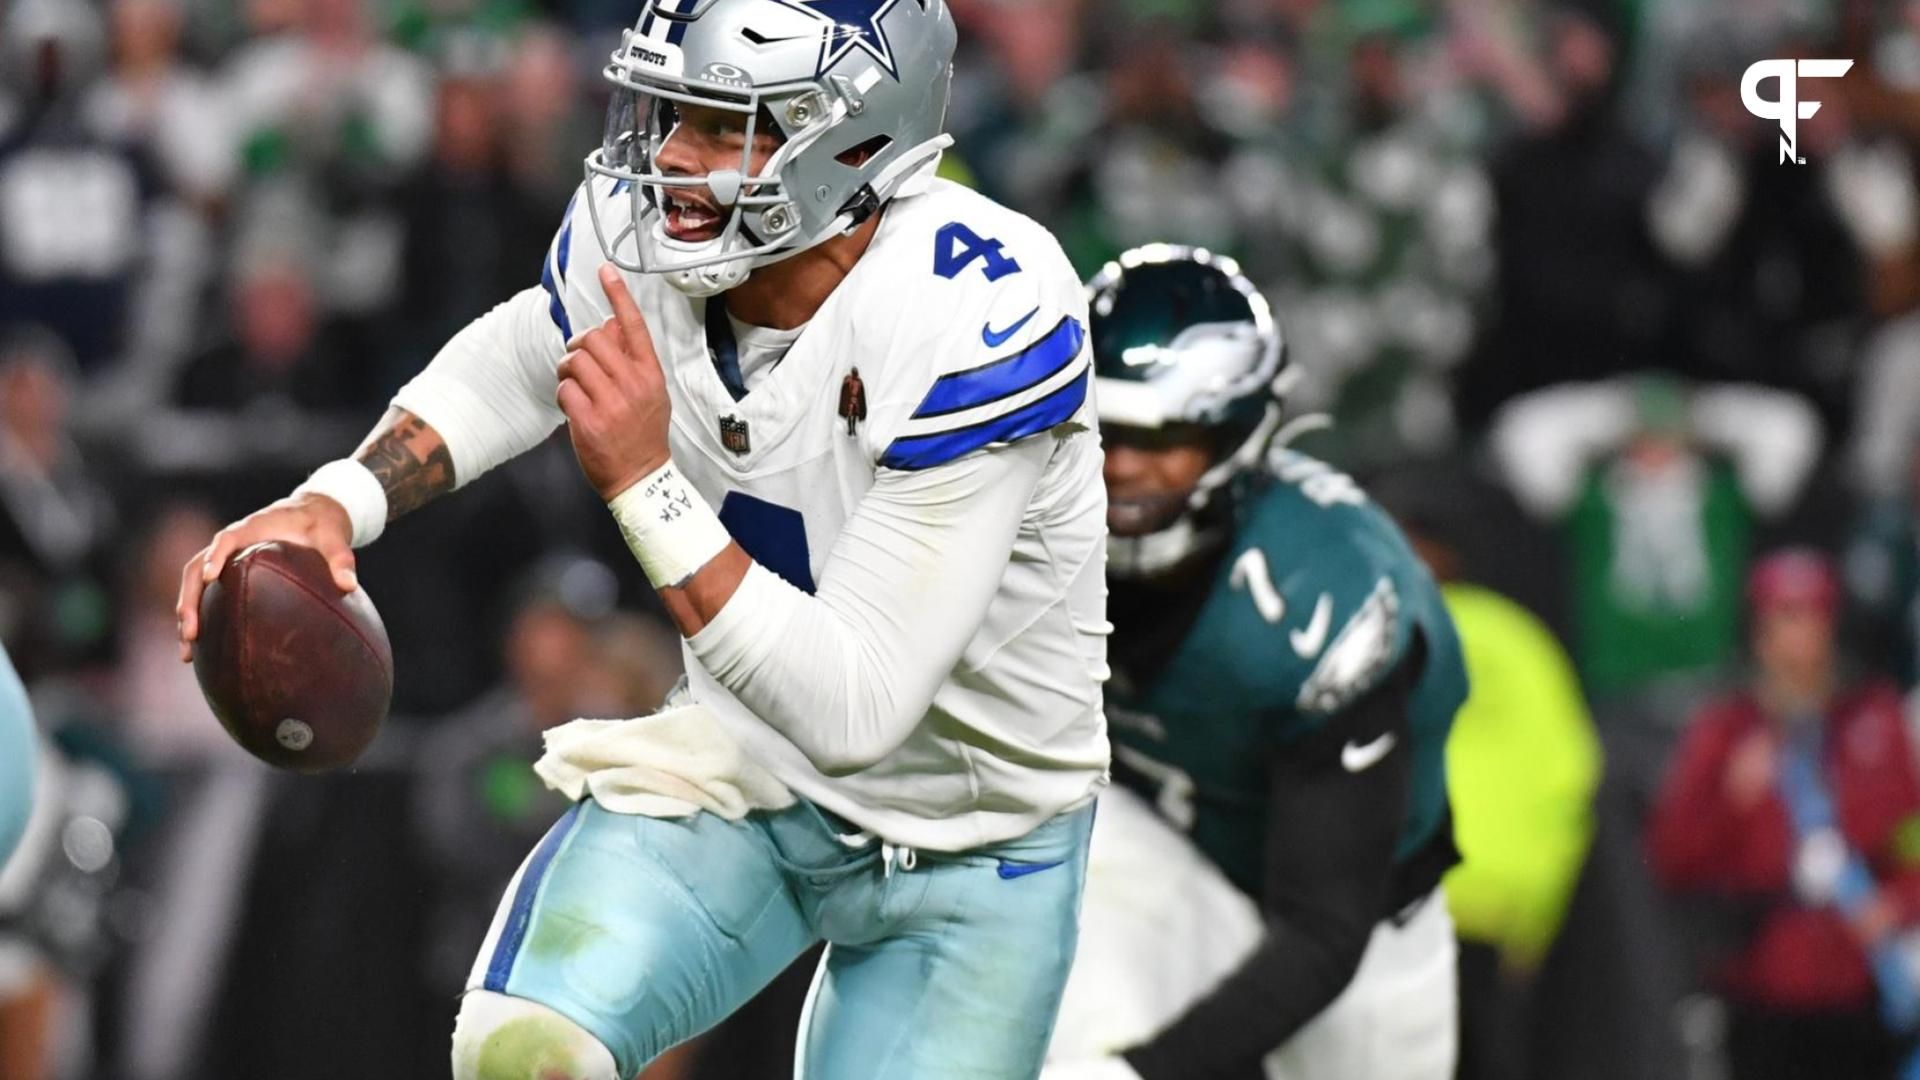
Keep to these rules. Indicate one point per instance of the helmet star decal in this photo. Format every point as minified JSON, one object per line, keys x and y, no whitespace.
{"x":856,"y":25}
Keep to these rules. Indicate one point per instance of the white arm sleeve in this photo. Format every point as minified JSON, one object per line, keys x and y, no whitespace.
{"x":846,"y":675}
{"x":490,"y":393}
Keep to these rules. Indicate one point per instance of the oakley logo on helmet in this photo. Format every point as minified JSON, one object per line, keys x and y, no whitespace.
{"x":1787,"y":109}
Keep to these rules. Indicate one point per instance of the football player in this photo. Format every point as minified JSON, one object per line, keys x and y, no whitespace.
{"x":17,"y":755}
{"x":842,"y":412}
{"x":1284,"y":680}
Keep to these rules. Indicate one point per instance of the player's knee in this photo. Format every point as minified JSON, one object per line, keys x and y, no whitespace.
{"x":498,"y":1037}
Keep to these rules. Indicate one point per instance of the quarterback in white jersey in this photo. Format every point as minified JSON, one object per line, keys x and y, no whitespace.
{"x":842,"y":413}
{"x":959,"y":616}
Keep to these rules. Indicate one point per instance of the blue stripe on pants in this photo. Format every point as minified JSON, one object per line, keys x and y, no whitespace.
{"x":514,"y":934}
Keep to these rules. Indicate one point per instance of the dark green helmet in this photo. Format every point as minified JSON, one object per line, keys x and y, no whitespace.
{"x":1184,"y":345}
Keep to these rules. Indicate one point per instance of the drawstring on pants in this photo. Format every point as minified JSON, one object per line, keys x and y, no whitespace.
{"x":891,"y":855}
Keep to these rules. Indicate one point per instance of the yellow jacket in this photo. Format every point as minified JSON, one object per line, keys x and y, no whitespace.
{"x":1522,"y":765}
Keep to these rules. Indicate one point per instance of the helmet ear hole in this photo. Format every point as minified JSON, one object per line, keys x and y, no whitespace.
{"x":860,"y":153}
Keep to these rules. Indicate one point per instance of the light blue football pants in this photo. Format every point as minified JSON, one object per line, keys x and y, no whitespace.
{"x":17,"y":753}
{"x":648,"y":931}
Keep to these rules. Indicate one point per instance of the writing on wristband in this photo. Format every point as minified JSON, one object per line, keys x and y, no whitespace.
{"x":674,"y":500}
{"x":670,"y":529}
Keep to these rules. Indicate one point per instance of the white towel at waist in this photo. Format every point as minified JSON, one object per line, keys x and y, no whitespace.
{"x":674,"y":763}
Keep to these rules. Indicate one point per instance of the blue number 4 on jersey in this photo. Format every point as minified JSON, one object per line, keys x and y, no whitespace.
{"x":955,"y":248}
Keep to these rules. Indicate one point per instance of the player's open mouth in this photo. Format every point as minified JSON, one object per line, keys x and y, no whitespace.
{"x":689,"y":220}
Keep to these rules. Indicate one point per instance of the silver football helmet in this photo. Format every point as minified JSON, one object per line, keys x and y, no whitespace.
{"x":857,"y":89}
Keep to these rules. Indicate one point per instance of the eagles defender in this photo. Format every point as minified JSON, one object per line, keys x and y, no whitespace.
{"x":841,"y":411}
{"x":1284,"y":680}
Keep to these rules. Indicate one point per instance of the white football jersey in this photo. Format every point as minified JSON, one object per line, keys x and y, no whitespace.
{"x":960,"y":331}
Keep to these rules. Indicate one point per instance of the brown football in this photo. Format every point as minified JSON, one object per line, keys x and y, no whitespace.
{"x":297,"y":673}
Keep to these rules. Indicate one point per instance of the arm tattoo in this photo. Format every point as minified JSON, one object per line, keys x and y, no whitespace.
{"x":410,"y":480}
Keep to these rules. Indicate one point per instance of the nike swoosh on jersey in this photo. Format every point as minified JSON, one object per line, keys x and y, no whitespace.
{"x":1359,"y":757}
{"x":1011,"y":870}
{"x":1310,"y":641}
{"x":995,"y":339}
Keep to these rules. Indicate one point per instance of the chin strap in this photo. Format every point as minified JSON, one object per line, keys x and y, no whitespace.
{"x":704,"y":282}
{"x":912,"y":172}
{"x":1158,"y":552}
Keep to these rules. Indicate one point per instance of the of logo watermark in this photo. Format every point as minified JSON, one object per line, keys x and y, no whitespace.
{"x":1788,"y":110}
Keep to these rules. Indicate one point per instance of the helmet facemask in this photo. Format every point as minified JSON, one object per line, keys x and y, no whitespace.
{"x":805,"y":194}
{"x":760,"y":225}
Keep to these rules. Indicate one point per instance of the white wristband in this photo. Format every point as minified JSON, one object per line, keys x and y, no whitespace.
{"x":669,"y":527}
{"x":353,"y":486}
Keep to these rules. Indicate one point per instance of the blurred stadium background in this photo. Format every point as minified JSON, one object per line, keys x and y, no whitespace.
{"x":1574,"y":321}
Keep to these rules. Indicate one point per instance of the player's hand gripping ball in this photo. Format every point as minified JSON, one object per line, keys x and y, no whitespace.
{"x":299,"y":674}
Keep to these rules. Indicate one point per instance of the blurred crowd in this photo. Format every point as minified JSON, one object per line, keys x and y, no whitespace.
{"x":1573,"y":319}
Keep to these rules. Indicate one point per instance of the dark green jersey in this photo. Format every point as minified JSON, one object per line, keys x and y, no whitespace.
{"x":1317,"y":599}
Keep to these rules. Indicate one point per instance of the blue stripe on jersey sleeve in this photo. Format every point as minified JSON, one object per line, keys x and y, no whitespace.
{"x":1004,"y":378}
{"x":927,"y":451}
{"x":552,"y":281}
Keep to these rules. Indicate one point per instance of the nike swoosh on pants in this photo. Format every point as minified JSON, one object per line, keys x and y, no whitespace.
{"x":1011,"y":870}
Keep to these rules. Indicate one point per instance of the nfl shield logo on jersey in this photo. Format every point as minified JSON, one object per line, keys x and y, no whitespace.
{"x":733,"y":434}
